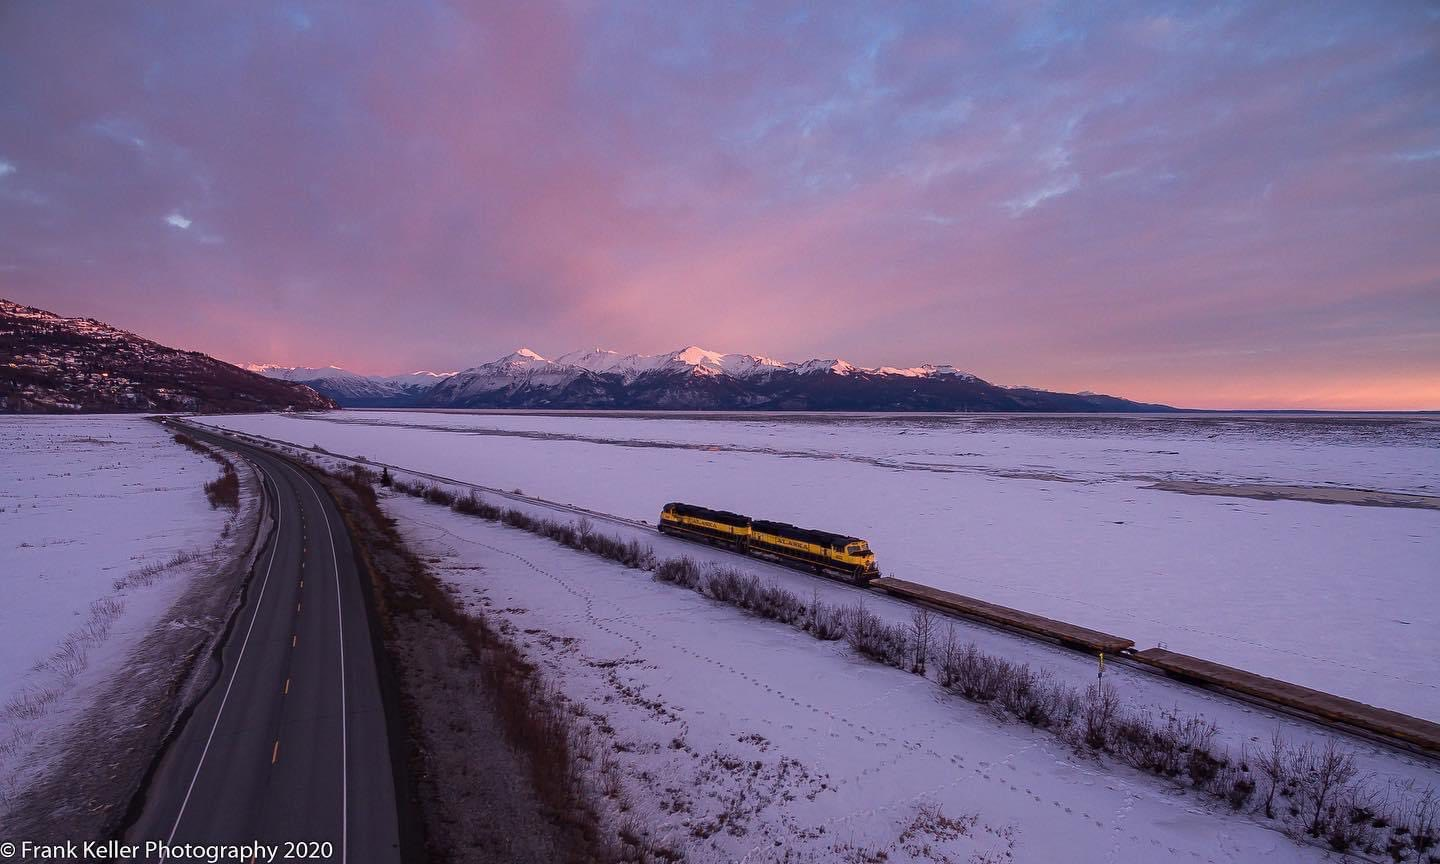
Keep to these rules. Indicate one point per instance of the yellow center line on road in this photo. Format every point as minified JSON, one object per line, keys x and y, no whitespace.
{"x":294,"y":639}
{"x":275,"y":752}
{"x":297,"y":608}
{"x":287,"y":686}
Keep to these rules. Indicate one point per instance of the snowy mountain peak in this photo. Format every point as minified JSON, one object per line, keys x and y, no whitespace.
{"x":839,"y":367}
{"x":595,"y":360}
{"x":522,"y":359}
{"x":697,"y":356}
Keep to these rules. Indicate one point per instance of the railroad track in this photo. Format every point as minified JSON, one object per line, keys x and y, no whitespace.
{"x":1411,"y":735}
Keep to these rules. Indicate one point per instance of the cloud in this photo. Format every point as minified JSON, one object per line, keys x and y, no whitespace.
{"x":178,"y":221}
{"x":6,"y":168}
{"x":1053,"y":189}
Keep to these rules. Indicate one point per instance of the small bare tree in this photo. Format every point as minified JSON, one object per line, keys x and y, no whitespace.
{"x":1274,"y":763}
{"x":949,"y":657}
{"x":1423,"y":821}
{"x":922,"y":624}
{"x":1323,"y":773}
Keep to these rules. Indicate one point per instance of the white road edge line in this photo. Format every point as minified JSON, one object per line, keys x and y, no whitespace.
{"x":274,"y":549}
{"x":344,"y":713}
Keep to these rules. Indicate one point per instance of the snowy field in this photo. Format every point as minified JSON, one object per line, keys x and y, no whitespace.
{"x":103,"y":522}
{"x":738,"y":739}
{"x":1047,"y":514}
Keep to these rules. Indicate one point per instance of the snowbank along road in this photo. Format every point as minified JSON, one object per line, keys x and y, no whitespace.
{"x":289,"y":743}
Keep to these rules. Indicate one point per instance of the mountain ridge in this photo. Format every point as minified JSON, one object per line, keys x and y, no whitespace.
{"x":351,"y":388}
{"x":694,"y":378}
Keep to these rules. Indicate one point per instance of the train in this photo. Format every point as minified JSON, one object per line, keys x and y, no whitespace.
{"x":823,"y":552}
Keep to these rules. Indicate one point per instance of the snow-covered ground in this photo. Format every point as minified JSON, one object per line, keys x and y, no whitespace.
{"x":738,"y":739}
{"x":103,"y":525}
{"x":1047,"y":514}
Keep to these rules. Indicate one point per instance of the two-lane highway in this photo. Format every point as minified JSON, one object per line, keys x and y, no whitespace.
{"x":289,"y":744}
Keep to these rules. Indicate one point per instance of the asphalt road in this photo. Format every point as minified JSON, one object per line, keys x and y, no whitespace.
{"x":289,"y":743}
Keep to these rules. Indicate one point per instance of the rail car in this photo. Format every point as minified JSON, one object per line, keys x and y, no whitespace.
{"x":824,"y":552}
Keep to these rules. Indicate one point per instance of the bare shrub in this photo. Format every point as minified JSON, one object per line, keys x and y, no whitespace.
{"x":778,"y":604}
{"x":823,"y":621}
{"x":872,"y":636}
{"x":1234,"y":782}
{"x":1351,"y":819}
{"x":1102,"y":704}
{"x":1023,"y":694}
{"x":361,"y":474}
{"x":978,"y":676}
{"x":190,"y":443}
{"x":948,"y":658}
{"x":473,"y":505}
{"x":922,"y":625}
{"x":1321,"y":773}
{"x":611,"y":784}
{"x":723,"y":584}
{"x":1273,"y":763}
{"x":406,"y":487}
{"x":1063,"y":703}
{"x":679,"y":571}
{"x":224,"y":491}
{"x":1422,"y":822}
{"x":437,"y":494}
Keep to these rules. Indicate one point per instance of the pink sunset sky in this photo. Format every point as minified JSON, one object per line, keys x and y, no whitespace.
{"x":1218,"y":206}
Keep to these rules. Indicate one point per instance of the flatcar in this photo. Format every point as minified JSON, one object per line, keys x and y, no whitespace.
{"x":821,"y":551}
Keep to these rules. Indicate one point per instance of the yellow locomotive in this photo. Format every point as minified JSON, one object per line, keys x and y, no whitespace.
{"x":821,"y":551}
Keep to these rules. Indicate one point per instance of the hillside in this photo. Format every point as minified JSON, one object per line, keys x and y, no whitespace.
{"x":50,"y":364}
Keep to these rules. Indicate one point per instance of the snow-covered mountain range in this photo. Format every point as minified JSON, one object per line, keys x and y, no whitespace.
{"x":351,"y":389}
{"x":691,"y":378}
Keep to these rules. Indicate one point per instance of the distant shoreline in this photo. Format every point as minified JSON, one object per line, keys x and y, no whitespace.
{"x":1178,"y":414}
